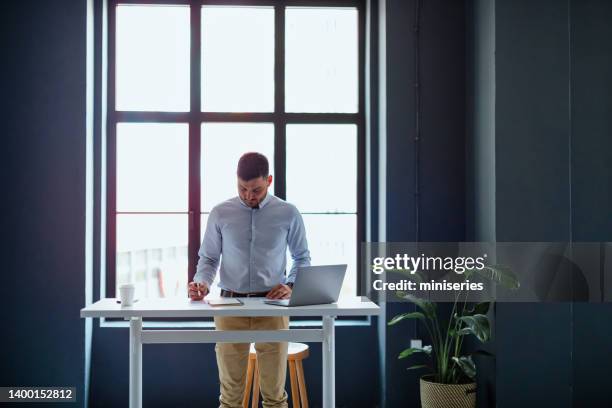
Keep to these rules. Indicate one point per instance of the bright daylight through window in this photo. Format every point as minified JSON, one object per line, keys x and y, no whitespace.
{"x":189,"y":94}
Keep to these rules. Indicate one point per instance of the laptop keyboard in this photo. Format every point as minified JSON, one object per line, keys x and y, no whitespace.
{"x":281,"y":302}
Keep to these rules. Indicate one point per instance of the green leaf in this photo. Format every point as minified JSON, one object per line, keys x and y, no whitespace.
{"x":429,"y":308}
{"x":416,"y":367}
{"x":479,"y":308}
{"x":498,"y":274}
{"x":404,"y":316}
{"x":467,"y":365}
{"x":478,"y":325}
{"x":412,"y":350}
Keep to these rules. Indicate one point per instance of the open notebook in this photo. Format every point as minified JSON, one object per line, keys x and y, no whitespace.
{"x":224,"y":302}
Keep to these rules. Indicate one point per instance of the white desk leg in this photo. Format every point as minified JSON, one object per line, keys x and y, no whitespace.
{"x":329,"y":369}
{"x":135,"y":362}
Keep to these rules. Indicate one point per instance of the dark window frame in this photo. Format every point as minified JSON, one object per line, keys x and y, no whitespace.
{"x":194,"y":118}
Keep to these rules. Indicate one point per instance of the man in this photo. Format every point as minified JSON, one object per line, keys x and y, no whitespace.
{"x":249,"y":236}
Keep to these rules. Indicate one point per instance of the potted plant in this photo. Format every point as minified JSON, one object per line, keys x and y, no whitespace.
{"x":451,"y":380}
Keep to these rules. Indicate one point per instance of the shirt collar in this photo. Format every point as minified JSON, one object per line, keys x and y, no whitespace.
{"x":263,"y":202}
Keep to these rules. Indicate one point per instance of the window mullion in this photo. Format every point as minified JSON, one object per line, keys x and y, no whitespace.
{"x":111,"y":157}
{"x":280,"y":188}
{"x":361,"y":142}
{"x":194,"y":139}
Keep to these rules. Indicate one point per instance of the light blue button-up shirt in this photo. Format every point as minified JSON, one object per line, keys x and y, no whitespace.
{"x":251,"y":245}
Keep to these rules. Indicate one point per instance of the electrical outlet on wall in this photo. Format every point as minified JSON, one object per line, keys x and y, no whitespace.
{"x":416,"y":343}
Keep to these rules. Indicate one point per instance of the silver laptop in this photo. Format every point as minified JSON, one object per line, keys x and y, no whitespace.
{"x":314,"y":285}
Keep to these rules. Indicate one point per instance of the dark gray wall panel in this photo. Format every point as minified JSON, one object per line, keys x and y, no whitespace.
{"x":400,"y":120}
{"x":532,"y":120}
{"x":533,"y":341}
{"x":591,"y":70}
{"x":442,"y":163}
{"x":442,"y":151}
{"x":591,"y":97}
{"x":43,"y":205}
{"x":533,"y":345}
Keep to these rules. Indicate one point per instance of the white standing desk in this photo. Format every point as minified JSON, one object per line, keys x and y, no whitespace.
{"x":182,"y":308}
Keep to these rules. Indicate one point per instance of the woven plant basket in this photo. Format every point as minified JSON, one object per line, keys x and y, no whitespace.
{"x":436,"y":395}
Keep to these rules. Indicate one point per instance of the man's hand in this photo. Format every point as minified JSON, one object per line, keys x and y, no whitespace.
{"x":197,"y":291}
{"x":280,"y":291}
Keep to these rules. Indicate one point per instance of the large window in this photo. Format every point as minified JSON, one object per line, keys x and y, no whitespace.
{"x":192,"y":85}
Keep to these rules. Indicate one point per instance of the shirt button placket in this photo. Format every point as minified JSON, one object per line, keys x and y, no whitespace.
{"x":251,"y":279}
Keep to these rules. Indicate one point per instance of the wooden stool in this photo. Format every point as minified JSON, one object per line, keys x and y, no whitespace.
{"x":297,"y":352}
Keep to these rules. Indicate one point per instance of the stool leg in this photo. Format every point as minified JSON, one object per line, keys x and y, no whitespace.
{"x":302,"y":383}
{"x":255,"y":403}
{"x":294,"y":385}
{"x":249,"y":383}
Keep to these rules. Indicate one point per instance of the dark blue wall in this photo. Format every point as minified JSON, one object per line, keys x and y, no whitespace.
{"x":441,"y":203}
{"x":532,"y":191}
{"x":43,"y":206}
{"x":551,"y":178}
{"x":591,"y":144}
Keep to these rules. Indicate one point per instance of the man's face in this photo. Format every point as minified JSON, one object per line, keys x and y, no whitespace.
{"x":252,"y":192}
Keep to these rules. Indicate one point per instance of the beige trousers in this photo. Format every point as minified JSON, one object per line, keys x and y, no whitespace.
{"x":232,"y":360}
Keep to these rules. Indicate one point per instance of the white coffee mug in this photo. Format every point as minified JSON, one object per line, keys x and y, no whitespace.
{"x":126,"y":294}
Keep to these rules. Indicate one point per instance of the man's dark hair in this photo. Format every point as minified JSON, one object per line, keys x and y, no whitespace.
{"x":252,"y":165}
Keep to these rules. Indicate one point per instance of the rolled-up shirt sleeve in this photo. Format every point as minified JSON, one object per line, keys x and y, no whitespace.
{"x":210,"y":251}
{"x":298,"y":246}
